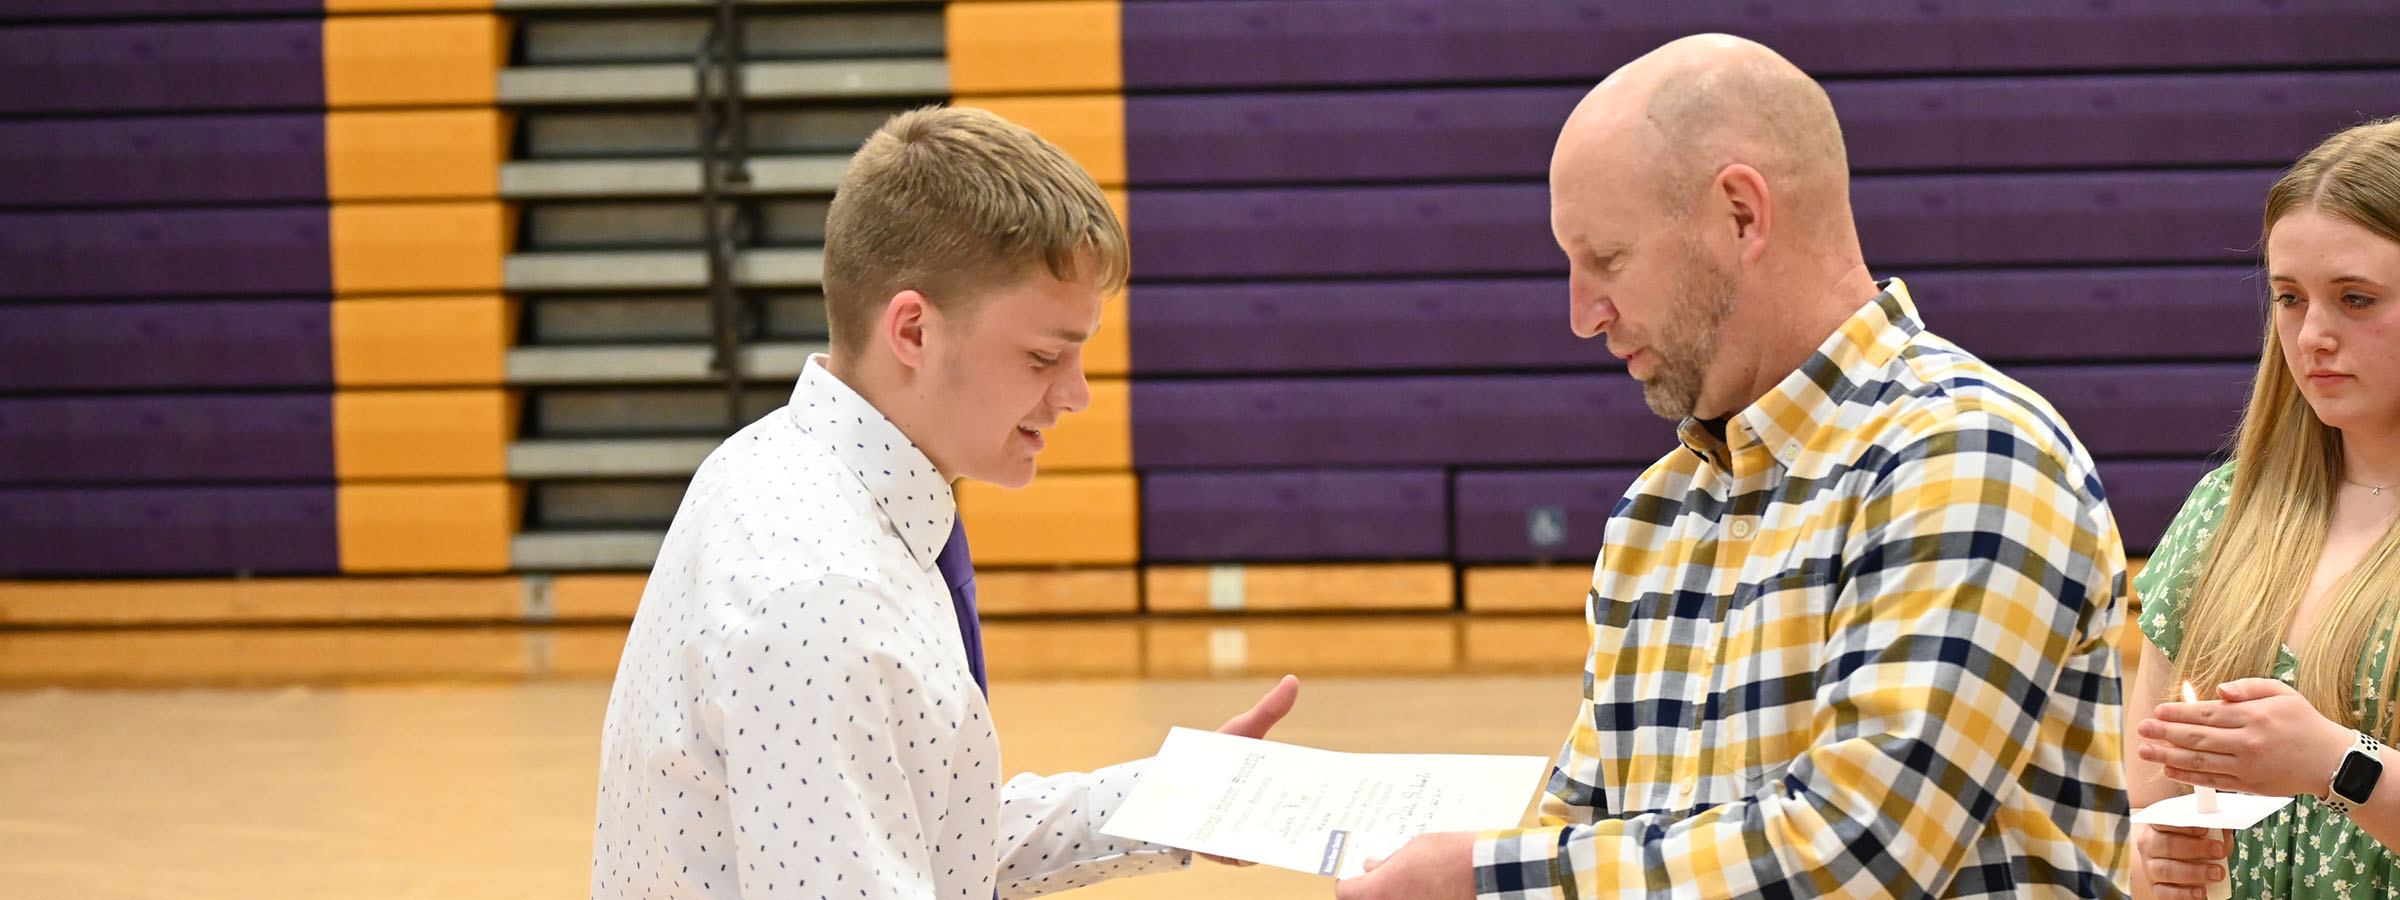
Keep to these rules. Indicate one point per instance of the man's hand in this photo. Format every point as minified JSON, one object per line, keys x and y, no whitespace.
{"x":1255,"y":723}
{"x":1432,"y":867}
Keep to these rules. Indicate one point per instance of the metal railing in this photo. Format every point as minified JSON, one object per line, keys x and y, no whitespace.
{"x":728,"y":216}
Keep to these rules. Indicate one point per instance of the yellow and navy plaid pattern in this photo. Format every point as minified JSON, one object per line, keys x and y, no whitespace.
{"x":1862,"y":647}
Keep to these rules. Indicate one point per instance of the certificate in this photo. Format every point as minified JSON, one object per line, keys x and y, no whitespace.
{"x":1315,"y":810}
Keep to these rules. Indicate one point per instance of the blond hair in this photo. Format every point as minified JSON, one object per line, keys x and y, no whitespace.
{"x":2290,"y":464}
{"x":951,"y":202}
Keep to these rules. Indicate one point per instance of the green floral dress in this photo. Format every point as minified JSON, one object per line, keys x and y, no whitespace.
{"x":2304,"y":850}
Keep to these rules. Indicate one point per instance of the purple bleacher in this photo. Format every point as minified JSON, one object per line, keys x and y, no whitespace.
{"x":167,"y":531}
{"x":2144,"y":410}
{"x":2115,"y":217}
{"x":1408,"y":421}
{"x":1904,"y":220}
{"x":1383,"y":231}
{"x":1248,"y":327}
{"x":1496,"y":513}
{"x":2239,"y":119}
{"x":1378,"y":514}
{"x":1343,"y":136}
{"x":1897,"y":125}
{"x":2095,"y":315}
{"x":2197,"y":312}
{"x":1494,"y":508}
{"x":201,"y":252}
{"x":165,"y":346}
{"x":39,"y":10}
{"x":2145,"y":494}
{"x":163,"y":160}
{"x":166,"y":438}
{"x":2185,"y":410}
{"x":1178,"y":44}
{"x":178,"y":66}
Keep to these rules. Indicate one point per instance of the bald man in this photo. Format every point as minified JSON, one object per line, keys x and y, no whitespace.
{"x":1855,"y":636}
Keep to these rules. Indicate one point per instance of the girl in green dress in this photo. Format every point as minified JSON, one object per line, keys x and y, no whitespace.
{"x":2275,"y":590}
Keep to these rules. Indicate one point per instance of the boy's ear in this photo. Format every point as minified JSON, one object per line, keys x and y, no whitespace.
{"x":903,"y":327}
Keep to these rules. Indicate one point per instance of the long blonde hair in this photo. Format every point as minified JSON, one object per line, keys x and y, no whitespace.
{"x":2289,"y":465}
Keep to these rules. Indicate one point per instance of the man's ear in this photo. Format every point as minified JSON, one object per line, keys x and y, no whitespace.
{"x":902,"y":328}
{"x":1749,"y":209}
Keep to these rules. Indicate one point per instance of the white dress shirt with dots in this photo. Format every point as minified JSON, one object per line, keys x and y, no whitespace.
{"x":794,"y":717}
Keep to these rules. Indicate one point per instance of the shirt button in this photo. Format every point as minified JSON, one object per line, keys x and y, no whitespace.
{"x":1788,"y":453}
{"x":1741,"y":529}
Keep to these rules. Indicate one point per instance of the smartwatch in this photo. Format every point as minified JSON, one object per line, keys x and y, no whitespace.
{"x":2354,"y":780}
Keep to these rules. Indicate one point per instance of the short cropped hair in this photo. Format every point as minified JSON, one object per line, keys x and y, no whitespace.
{"x":953,"y":201}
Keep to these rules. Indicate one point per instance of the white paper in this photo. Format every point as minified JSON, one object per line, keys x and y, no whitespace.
{"x":1282,"y":805}
{"x":2234,"y":811}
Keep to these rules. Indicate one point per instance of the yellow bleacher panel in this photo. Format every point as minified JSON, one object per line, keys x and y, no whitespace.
{"x":427,"y":526}
{"x":588,"y":652}
{"x":1277,"y":588}
{"x":1526,"y":643}
{"x":610,"y":596}
{"x":334,"y":655}
{"x":365,"y":6}
{"x":458,"y":433}
{"x":422,"y":341}
{"x":1528,"y":588}
{"x":1109,"y":353}
{"x":1088,"y":519}
{"x":431,"y":154}
{"x":1090,"y":127}
{"x":401,"y":248}
{"x":1035,"y":47}
{"x":1026,"y":650}
{"x":1066,"y":591}
{"x":1100,"y":438}
{"x":1322,"y":646}
{"x":1120,"y":201}
{"x":261,"y":600}
{"x":430,"y":60}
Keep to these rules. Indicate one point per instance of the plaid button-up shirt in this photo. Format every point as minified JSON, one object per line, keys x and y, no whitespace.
{"x":1865,"y":646}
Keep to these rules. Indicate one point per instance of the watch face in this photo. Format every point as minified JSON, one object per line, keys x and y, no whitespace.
{"x":2356,"y":779}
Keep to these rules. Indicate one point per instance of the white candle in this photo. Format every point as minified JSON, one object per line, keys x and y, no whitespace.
{"x":2205,"y":798}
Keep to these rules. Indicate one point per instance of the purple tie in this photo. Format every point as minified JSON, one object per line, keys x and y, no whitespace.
{"x":958,"y":571}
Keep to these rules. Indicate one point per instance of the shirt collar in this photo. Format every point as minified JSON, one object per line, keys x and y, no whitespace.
{"x":910,"y":493}
{"x":1780,"y":425}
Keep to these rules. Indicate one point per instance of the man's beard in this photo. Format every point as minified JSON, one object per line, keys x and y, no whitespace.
{"x":1688,"y":341}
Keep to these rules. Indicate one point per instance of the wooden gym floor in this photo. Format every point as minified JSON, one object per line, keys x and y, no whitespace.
{"x":458,"y":762}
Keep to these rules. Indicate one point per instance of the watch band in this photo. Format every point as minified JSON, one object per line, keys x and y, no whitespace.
{"x":2367,"y":746}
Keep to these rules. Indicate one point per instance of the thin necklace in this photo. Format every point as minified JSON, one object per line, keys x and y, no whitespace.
{"x":2377,"y":489}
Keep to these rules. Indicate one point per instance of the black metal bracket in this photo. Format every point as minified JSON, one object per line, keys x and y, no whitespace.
{"x":729,"y":219}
